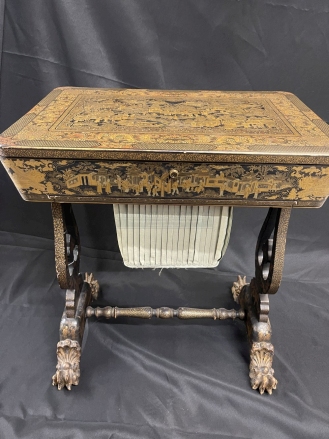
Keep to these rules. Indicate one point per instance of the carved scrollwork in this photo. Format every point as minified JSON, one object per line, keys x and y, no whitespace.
{"x":237,"y":287}
{"x":68,"y":364}
{"x":94,"y":285}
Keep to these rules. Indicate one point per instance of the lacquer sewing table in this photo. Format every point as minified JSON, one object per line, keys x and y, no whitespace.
{"x":81,"y":145}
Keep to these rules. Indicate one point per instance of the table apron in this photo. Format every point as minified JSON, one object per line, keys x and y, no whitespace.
{"x":104,"y":181}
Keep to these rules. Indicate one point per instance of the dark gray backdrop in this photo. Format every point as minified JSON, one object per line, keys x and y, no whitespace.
{"x":160,"y":379}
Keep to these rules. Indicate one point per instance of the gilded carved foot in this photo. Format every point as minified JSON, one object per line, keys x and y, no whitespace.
{"x":261,"y":372}
{"x":68,"y":365}
{"x":237,"y":287}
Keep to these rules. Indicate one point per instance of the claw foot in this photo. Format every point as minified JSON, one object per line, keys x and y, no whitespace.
{"x":261,"y":372}
{"x":68,"y":365}
{"x":237,"y":287}
{"x":94,"y":285}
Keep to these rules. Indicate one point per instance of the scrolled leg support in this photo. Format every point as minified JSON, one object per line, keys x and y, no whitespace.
{"x":254,"y":297}
{"x":80,"y":291}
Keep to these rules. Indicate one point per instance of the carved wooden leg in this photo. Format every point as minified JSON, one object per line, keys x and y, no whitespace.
{"x":261,"y":373}
{"x":79,"y":293}
{"x":254,"y":299}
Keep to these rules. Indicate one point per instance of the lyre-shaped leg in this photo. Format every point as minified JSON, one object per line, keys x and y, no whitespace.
{"x":79,"y":293}
{"x":254,"y":298}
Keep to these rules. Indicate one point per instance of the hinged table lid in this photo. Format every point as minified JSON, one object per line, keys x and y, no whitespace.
{"x":169,"y":125}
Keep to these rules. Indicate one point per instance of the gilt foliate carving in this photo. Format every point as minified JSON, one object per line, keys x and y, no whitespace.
{"x":261,"y":373}
{"x":68,"y":364}
{"x":94,"y":285}
{"x":237,"y":287}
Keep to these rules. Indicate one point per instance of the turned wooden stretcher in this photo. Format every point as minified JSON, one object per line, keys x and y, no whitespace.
{"x":181,"y":148}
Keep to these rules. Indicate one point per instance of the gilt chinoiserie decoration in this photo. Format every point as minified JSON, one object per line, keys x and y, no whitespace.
{"x":152,"y":182}
{"x":200,"y":148}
